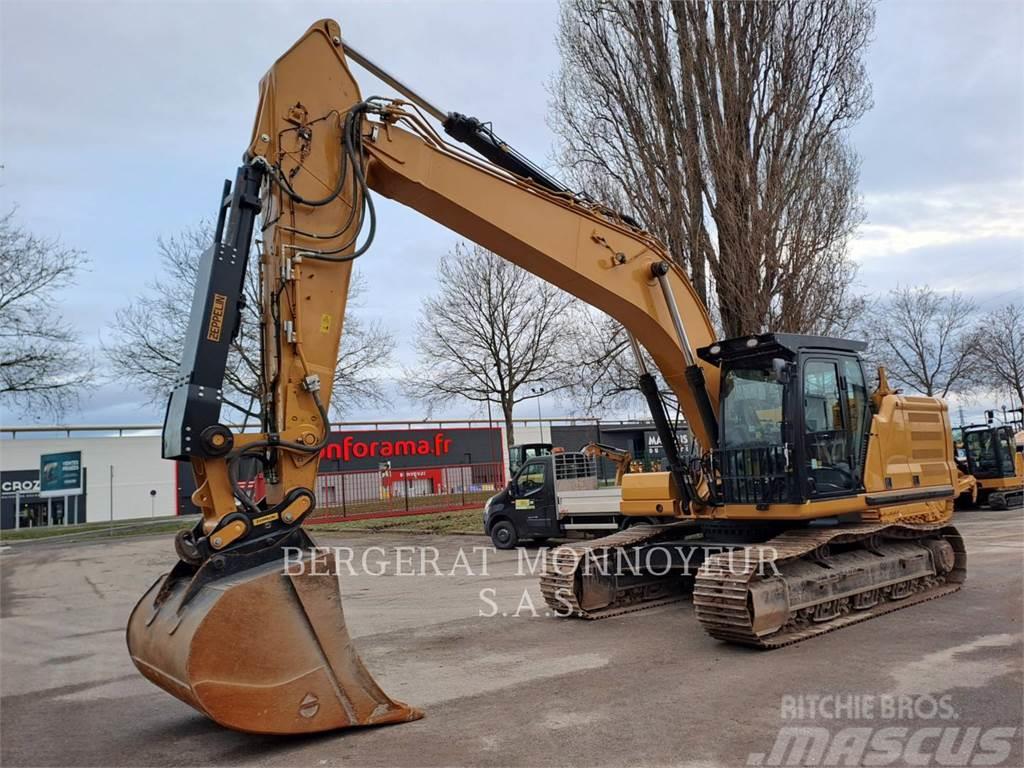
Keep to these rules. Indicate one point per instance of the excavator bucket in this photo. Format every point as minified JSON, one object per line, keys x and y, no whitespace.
{"x":259,"y":648}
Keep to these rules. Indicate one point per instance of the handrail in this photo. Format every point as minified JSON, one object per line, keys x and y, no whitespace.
{"x":121,"y":429}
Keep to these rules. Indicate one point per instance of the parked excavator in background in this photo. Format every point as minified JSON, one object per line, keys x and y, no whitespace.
{"x":994,"y":458}
{"x":620,"y":457}
{"x":843,"y":495}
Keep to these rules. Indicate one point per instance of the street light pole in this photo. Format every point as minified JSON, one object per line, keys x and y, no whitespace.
{"x":539,"y":392}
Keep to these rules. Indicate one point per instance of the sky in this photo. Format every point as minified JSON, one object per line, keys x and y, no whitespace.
{"x":119,"y":121}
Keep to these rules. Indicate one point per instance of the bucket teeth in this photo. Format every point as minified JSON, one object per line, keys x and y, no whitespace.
{"x":260,"y":651}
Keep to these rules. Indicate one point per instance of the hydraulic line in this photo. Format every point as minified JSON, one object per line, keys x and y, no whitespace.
{"x":694,"y":374}
{"x":649,"y":389}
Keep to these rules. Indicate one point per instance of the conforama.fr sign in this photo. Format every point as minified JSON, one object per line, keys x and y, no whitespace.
{"x":410,"y":448}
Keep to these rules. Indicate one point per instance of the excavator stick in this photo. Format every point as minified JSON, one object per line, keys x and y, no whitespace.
{"x":248,"y":626}
{"x":259,"y":644}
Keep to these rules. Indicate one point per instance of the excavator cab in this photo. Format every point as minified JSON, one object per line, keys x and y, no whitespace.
{"x":996,"y":464}
{"x":990,"y":451}
{"x":793,"y":415}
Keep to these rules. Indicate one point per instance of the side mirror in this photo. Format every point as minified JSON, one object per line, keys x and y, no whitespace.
{"x":780,"y":370}
{"x":513,"y":488}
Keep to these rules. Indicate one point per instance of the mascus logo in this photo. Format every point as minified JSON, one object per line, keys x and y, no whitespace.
{"x":220,"y":302}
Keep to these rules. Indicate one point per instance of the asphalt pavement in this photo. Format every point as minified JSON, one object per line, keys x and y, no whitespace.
{"x":498,"y":688}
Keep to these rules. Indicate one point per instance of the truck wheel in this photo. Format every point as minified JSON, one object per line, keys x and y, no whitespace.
{"x":503,"y":535}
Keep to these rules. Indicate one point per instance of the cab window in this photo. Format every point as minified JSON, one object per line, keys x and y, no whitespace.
{"x":980,"y":451}
{"x":751,"y":409}
{"x":1006,"y":451}
{"x":822,"y":411}
{"x":532,"y":477}
{"x":826,"y":436}
{"x":857,"y":404}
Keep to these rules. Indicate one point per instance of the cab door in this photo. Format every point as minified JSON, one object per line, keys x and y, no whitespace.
{"x":834,"y":418}
{"x":534,"y":502}
{"x":1005,"y":451}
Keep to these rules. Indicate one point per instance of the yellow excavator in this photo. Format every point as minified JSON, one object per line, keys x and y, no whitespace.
{"x":995,"y":461}
{"x":620,"y":457}
{"x":849,"y":493}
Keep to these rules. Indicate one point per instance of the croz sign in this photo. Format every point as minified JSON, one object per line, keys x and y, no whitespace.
{"x":410,"y":448}
{"x":23,"y":482}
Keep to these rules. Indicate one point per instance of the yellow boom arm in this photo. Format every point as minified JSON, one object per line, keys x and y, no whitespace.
{"x":308,"y":100}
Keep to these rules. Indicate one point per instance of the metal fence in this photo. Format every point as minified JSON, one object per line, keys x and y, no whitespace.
{"x":120,"y":430}
{"x":357,"y":494}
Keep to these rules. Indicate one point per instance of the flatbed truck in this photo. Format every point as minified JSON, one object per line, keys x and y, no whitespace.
{"x":554,"y":496}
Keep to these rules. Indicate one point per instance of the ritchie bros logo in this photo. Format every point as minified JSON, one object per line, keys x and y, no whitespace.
{"x":352,"y":448}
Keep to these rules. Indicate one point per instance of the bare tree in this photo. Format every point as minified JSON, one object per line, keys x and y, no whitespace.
{"x":149,"y":332}
{"x":999,"y":340}
{"x":43,"y":366}
{"x":492,"y":334}
{"x":605,"y":374}
{"x":722,"y":126}
{"x":925,"y":340}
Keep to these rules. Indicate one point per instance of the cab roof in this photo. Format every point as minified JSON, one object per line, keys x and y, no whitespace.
{"x":785,"y":345}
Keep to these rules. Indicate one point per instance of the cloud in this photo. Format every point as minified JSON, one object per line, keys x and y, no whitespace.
{"x":903,"y":219}
{"x":967,"y":238}
{"x":129,"y":115}
{"x":943,"y":150}
{"x":948,"y":80}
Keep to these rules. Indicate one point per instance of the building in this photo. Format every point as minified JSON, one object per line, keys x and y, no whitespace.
{"x":365,"y":470}
{"x":123,"y":478}
{"x":362,"y":472}
{"x":639,"y":438}
{"x":386,"y":471}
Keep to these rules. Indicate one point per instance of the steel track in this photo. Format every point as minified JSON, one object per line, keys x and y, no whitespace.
{"x":562,"y":565}
{"x":722,"y":588}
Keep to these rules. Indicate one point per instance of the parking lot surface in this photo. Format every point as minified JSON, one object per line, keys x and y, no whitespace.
{"x":645,"y":688}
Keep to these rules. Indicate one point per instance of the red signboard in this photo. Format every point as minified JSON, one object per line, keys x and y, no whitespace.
{"x":346,"y":451}
{"x":365,"y":445}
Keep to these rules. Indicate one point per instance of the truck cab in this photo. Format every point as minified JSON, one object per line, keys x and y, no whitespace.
{"x":552,"y":495}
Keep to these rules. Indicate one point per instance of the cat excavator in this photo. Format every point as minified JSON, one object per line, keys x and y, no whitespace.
{"x":849,"y":493}
{"x":994,"y":459}
{"x":620,"y":457}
